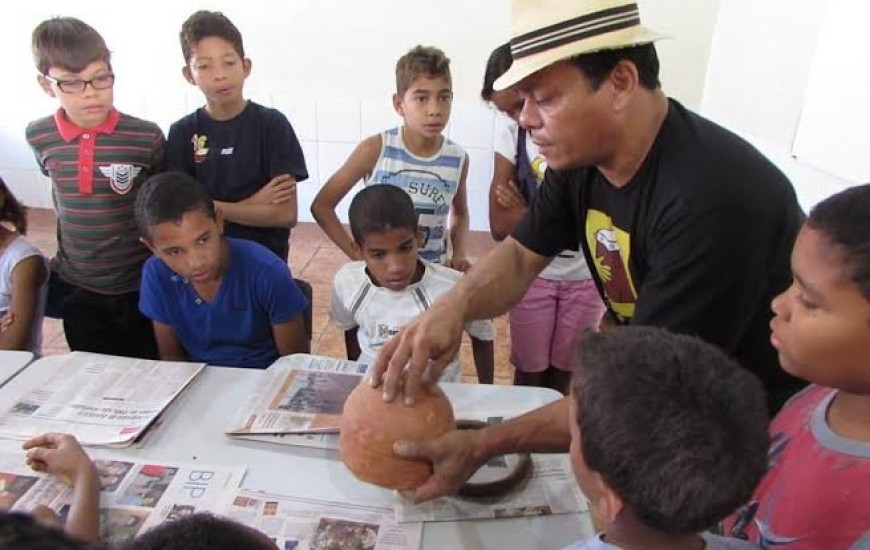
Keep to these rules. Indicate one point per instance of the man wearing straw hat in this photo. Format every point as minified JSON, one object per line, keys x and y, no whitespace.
{"x":688,"y":227}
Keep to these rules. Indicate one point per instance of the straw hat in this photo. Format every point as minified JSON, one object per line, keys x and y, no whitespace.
{"x":546,"y":31}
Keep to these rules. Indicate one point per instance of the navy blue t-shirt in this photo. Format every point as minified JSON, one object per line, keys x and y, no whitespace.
{"x":235,"y":158}
{"x":235,"y":330}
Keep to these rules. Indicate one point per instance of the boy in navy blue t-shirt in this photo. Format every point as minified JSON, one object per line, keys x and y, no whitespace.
{"x":212,"y":299}
{"x":246,"y":155}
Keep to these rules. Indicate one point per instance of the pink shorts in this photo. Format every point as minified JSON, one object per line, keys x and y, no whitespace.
{"x":546,"y":323}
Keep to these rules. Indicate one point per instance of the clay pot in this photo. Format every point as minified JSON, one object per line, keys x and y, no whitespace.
{"x":370,"y":426}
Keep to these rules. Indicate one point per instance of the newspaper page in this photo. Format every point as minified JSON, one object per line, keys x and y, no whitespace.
{"x":135,"y":495}
{"x":550,"y":490}
{"x":310,"y":440}
{"x":309,"y":524}
{"x":299,"y":394}
{"x":101,"y":399}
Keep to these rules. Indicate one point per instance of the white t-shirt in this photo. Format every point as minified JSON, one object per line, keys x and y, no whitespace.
{"x":569,"y":265}
{"x":19,"y":249}
{"x":713,"y":542}
{"x":381,"y":313}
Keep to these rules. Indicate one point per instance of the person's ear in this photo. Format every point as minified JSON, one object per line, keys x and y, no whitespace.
{"x":421,"y":237}
{"x":246,"y":65}
{"x":397,"y":105}
{"x":608,"y":504}
{"x":357,"y":248}
{"x":148,"y":244}
{"x":624,"y":81}
{"x":188,"y":76}
{"x":45,"y":85}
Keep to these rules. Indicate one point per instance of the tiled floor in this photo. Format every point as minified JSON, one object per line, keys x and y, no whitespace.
{"x":314,"y":258}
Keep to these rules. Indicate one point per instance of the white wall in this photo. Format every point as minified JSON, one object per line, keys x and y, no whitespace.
{"x":758,"y":78}
{"x":327,"y":64}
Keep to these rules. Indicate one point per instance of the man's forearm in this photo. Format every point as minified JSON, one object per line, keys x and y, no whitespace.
{"x":499,"y":281}
{"x":543,"y":430}
{"x":83,"y":521}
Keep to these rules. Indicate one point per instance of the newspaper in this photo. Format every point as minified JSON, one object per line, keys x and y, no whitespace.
{"x":310,"y":524}
{"x":299,"y":394}
{"x":551,"y":489}
{"x":101,"y":399}
{"x":135,"y":495}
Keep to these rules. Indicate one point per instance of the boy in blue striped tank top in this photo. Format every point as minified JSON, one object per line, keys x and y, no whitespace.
{"x":414,"y":157}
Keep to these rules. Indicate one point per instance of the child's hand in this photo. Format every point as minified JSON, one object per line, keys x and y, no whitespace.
{"x":59,"y":455}
{"x":280,"y":189}
{"x":509,"y":196}
{"x":459,"y":264}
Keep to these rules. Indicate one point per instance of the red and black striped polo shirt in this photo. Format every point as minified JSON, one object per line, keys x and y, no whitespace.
{"x":96,"y":174}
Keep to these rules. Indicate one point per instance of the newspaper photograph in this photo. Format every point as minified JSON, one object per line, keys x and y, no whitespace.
{"x":299,"y":394}
{"x":308,"y":524}
{"x":135,"y":495}
{"x":101,"y":399}
{"x":550,"y":490}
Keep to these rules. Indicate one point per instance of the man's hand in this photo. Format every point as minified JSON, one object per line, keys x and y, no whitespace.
{"x":508,"y":196}
{"x":280,"y":189}
{"x":426,"y":346}
{"x":61,"y":456}
{"x":454,"y":456}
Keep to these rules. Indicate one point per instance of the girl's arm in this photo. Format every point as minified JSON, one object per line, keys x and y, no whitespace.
{"x":28,"y":276}
{"x":506,"y":205}
{"x":358,"y":166}
{"x":459,"y":223}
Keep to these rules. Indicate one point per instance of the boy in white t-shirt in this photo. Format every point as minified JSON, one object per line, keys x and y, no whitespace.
{"x":373,"y":299}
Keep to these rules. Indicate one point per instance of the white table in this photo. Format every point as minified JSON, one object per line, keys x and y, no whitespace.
{"x":193,"y":430}
{"x":12,"y":362}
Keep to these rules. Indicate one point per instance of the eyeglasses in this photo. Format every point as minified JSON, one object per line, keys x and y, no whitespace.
{"x":101,"y":82}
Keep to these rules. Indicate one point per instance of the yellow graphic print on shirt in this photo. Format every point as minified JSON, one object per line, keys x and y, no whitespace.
{"x":200,"y":147}
{"x":611,"y":248}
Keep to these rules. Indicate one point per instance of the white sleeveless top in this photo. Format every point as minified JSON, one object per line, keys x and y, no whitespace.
{"x":431,"y":182}
{"x":19,"y":249}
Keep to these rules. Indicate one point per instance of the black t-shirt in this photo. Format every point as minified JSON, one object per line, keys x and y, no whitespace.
{"x":698,"y":242}
{"x":235,"y":158}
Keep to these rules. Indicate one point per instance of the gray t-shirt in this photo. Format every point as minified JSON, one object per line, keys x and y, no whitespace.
{"x":714,"y":542}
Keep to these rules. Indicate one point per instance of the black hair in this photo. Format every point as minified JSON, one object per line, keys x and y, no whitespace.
{"x":200,"y":532}
{"x":12,"y":211}
{"x":844,"y":219}
{"x":596,"y":66}
{"x":674,"y":426}
{"x":421,"y":60}
{"x":22,"y":532}
{"x":167,"y":197}
{"x":67,"y":43}
{"x":204,"y":24}
{"x":500,"y":60}
{"x":378,"y":208}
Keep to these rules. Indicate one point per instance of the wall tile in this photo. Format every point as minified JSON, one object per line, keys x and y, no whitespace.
{"x":338,"y":120}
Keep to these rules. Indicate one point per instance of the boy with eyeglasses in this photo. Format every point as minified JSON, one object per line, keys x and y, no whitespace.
{"x":97,"y":158}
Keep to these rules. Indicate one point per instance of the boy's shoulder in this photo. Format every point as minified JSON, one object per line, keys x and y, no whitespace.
{"x":350,"y":276}
{"x":253,"y":113}
{"x":440,"y":275}
{"x":131,"y":123}
{"x":249,"y":254}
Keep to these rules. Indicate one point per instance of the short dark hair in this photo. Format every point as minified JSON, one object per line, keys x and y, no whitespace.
{"x":676,"y":428}
{"x":378,"y":208}
{"x":844,"y":219}
{"x":12,"y":211}
{"x":22,"y":532}
{"x":596,"y":66}
{"x":421,"y":60}
{"x":205,"y":24}
{"x":167,"y":197}
{"x":500,"y":60}
{"x":67,"y":43}
{"x":198,"y":532}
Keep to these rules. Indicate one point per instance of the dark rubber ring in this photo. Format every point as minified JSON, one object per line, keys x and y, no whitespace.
{"x":494,"y":488}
